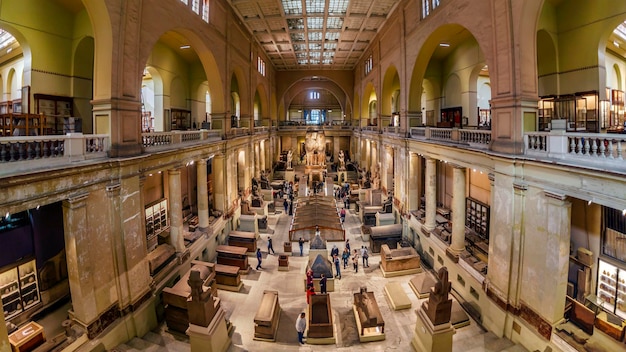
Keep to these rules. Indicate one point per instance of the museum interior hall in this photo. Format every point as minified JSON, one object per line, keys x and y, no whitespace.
{"x":312,"y":175}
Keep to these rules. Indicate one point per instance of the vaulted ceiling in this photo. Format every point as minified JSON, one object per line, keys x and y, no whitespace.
{"x":313,"y":34}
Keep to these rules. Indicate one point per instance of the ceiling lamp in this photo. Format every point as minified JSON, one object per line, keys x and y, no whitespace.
{"x":185,"y":46}
{"x":445,"y":45}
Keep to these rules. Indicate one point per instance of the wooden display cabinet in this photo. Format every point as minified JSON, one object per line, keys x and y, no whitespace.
{"x":156,"y":222}
{"x":27,"y":338}
{"x":19,"y":289}
{"x":477,"y":217}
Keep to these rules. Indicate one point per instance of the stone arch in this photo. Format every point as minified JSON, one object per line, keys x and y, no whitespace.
{"x":428,"y":60}
{"x":618,"y":76}
{"x":261,"y":93}
{"x":103,"y":48}
{"x":152,"y":98}
{"x":82,"y":87}
{"x":390,"y":92}
{"x":311,"y":82}
{"x":547,"y":64}
{"x":369,"y":95}
{"x":238,"y":80}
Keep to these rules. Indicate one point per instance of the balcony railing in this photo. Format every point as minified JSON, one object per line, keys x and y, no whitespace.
{"x":598,"y":149}
{"x":73,"y":146}
{"x":477,"y":139}
{"x":164,"y":140}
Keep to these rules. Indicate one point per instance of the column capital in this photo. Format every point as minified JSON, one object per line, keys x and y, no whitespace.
{"x":113,"y":189}
{"x":492,"y":177}
{"x":76,"y":201}
{"x":551,"y":194}
{"x":519,"y":186}
{"x":174,"y":171}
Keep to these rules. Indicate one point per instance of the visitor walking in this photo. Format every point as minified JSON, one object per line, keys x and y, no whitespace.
{"x":343,"y":214}
{"x":365,"y":255}
{"x":348,"y":245}
{"x":301,"y":243}
{"x":336,"y":261}
{"x":270,"y":246}
{"x":355,"y":261}
{"x":300,"y":326}
{"x":286,"y":205}
{"x":259,"y":258}
{"x":345,"y":256}
{"x":334,"y":251}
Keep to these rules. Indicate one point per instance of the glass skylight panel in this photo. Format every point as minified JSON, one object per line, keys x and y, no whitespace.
{"x":315,"y":6}
{"x":315,"y":46}
{"x":329,"y":54}
{"x":330,"y":46}
{"x":303,"y":62}
{"x":338,"y":6}
{"x":299,"y":47}
{"x":6,"y":38}
{"x":292,"y":7}
{"x":295,"y":23}
{"x":301,"y":55}
{"x":315,"y":54}
{"x":315,"y":22}
{"x":314,"y":61}
{"x":334,"y":23}
{"x":315,"y":36}
{"x":332,"y":36}
{"x":327,"y":61}
{"x":297,"y":37}
{"x":620,"y":31}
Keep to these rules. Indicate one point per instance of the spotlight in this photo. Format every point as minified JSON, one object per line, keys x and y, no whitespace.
{"x":589,"y":202}
{"x":150,"y":175}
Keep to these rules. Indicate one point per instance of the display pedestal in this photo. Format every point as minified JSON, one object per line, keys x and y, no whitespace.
{"x":249,"y":223}
{"x":262,"y":210}
{"x":290,"y":175}
{"x":429,"y":337}
{"x":213,"y":338}
{"x":342,"y":176}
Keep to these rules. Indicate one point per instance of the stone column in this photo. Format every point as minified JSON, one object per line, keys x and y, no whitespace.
{"x":219,"y":189}
{"x":203,"y":195}
{"x":458,"y":213}
{"x":176,"y":210}
{"x":262,"y":148}
{"x":4,"y":335}
{"x":413,"y":180}
{"x":430,"y":194}
{"x":557,"y":245}
{"x":77,"y":243}
{"x":257,"y":165}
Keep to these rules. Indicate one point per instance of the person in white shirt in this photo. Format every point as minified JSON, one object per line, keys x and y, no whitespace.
{"x":300,"y":326}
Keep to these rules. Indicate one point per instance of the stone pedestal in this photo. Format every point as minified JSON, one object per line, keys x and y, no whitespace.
{"x":287,"y":248}
{"x":262,"y":210}
{"x":290,"y":175}
{"x":342,"y":176}
{"x":213,"y":338}
{"x":385,"y":219}
{"x":283,"y":262}
{"x":429,"y":337}
{"x":249,"y":223}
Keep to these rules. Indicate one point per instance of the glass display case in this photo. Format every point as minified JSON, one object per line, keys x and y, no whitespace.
{"x":611,"y":289}
{"x":156,"y":222}
{"x":19,"y":289}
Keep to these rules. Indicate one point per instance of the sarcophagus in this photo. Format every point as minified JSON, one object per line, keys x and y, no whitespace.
{"x":243,"y":239}
{"x":227,"y":275}
{"x":231,"y":255}
{"x":386,"y":234}
{"x":404,"y":258}
{"x":368,"y":312}
{"x":267,"y":316}
{"x":320,"y":317}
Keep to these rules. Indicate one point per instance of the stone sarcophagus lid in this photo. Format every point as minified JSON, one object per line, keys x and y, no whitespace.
{"x":231,"y":255}
{"x":368,"y":314}
{"x":386,"y":234}
{"x":227,"y":275}
{"x":320,"y":317}
{"x":404,"y":259}
{"x":243,"y":239}
{"x":267,"y":316}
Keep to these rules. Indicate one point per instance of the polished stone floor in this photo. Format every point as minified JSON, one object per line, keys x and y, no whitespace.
{"x":241,"y":306}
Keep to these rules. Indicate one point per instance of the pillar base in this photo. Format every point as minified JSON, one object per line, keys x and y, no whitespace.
{"x":213,"y":338}
{"x":429,"y":337}
{"x":453,"y":254}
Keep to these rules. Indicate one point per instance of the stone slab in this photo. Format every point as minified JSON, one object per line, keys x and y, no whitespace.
{"x":400,"y":272}
{"x":396,"y":296}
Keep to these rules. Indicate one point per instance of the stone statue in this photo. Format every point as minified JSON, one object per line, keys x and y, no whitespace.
{"x":342,"y":160}
{"x":289,"y":159}
{"x":257,"y":198}
{"x":388,"y":204}
{"x":315,"y":145}
{"x":376,"y":177}
{"x":201,"y":307}
{"x":438,"y":308}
